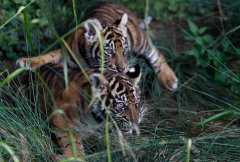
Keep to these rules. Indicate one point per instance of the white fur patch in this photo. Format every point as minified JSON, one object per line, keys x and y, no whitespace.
{"x":24,"y":63}
{"x":175,"y":85}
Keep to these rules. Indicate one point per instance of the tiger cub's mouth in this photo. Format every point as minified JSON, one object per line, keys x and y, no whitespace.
{"x":134,"y":129}
{"x":128,"y":128}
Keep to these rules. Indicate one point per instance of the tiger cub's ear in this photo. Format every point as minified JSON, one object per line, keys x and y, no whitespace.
{"x":123,"y":23}
{"x":124,"y":20}
{"x":96,"y":80}
{"x":90,"y":26}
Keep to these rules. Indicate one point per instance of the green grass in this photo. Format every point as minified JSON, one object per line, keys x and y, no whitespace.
{"x":200,"y":122}
{"x":24,"y":133}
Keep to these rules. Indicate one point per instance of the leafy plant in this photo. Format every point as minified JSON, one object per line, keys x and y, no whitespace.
{"x":23,"y":34}
{"x":213,"y":56}
{"x":163,"y":10}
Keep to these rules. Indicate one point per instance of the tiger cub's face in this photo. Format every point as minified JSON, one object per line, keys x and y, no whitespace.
{"x":115,"y":42}
{"x":118,"y":94}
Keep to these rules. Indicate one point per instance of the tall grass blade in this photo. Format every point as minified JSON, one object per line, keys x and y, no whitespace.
{"x":10,"y":151}
{"x":188,"y":150}
{"x":11,"y":76}
{"x":107,"y":138}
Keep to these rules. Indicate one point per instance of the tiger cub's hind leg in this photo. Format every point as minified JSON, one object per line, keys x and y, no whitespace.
{"x":33,"y":63}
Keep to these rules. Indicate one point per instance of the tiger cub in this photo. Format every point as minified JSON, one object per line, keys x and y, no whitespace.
{"x":84,"y":104}
{"x":122,"y":36}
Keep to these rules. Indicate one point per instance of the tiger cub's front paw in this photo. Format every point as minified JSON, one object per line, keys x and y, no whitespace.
{"x":24,"y":63}
{"x":168,"y":78}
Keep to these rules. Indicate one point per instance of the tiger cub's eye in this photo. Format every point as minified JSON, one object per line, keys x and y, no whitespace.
{"x":133,"y":72}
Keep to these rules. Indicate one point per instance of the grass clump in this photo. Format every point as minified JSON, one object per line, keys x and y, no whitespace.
{"x":24,"y":134}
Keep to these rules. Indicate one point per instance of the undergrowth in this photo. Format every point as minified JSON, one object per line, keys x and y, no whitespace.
{"x":199,"y":122}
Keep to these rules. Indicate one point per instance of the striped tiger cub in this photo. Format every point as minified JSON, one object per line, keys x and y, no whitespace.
{"x":85,"y":103}
{"x":122,"y":36}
